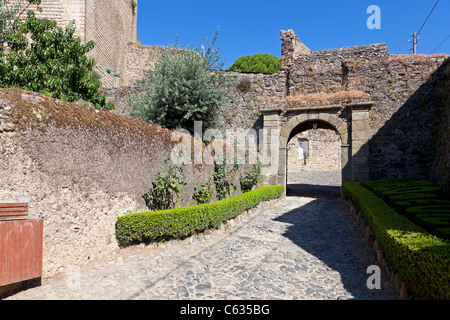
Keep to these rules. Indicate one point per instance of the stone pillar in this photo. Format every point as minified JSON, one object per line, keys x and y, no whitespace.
{"x":360,"y":141}
{"x":346,"y":165}
{"x":270,"y":146}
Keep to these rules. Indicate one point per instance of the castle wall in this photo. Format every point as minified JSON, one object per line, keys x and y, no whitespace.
{"x":322,"y":151}
{"x":79,"y":169}
{"x":63,"y":11}
{"x":112,"y":25}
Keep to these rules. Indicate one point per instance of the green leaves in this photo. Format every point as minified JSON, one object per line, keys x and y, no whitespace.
{"x":251,"y":178}
{"x":421,"y":259}
{"x":257,"y":63}
{"x":166,"y":187}
{"x":183,"y":222}
{"x":185,"y":86}
{"x":53,"y":62}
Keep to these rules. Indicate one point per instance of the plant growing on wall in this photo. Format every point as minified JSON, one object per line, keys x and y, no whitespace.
{"x":222,"y":179}
{"x":251,"y":178}
{"x":257,"y":63}
{"x":166,"y":187}
{"x":186,"y":85}
{"x":43,"y":57}
{"x":205,"y":192}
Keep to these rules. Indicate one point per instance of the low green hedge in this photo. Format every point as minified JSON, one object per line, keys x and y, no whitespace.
{"x":411,"y":196}
{"x":183,"y":222}
{"x":422,"y":259}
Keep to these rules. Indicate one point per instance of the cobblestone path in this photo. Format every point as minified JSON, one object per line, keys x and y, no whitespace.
{"x":299,"y":248}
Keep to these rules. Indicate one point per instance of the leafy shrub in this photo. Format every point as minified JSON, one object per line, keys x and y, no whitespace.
{"x":185,"y":86}
{"x":45,"y":58}
{"x":251,"y":178}
{"x":183,"y":222}
{"x":257,"y":63}
{"x":205,"y":192}
{"x":222,"y":178}
{"x":422,"y":260}
{"x":164,"y":193}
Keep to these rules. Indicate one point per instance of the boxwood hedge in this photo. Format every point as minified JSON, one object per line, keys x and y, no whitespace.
{"x":183,"y":222}
{"x":416,"y":199}
{"x":421,"y":259}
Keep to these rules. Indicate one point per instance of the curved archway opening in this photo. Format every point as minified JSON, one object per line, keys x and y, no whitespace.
{"x":313,"y":160}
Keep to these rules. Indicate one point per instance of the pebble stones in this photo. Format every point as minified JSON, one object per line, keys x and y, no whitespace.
{"x":299,"y":248}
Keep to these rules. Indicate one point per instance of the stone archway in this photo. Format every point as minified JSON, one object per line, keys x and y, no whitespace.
{"x":350,"y":121}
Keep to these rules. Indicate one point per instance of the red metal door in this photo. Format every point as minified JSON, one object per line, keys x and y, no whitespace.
{"x":21,"y":245}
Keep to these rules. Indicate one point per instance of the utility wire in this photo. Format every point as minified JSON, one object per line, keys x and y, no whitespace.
{"x":428,"y":17}
{"x":416,"y":34}
{"x":441,"y":44}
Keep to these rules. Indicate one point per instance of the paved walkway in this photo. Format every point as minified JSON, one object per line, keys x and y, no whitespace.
{"x":300,"y":248}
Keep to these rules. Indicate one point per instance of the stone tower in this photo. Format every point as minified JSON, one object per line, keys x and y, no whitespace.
{"x":112,"y":24}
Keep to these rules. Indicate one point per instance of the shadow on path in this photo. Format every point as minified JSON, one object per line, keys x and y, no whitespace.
{"x":313,"y":191}
{"x":325,"y":229}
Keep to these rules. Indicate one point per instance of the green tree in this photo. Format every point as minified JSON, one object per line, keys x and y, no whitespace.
{"x":257,"y":63}
{"x":186,"y":85}
{"x":43,"y":57}
{"x":10,"y":11}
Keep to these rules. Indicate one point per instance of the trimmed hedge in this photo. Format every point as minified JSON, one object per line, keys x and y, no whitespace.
{"x":180,"y":223}
{"x":421,"y":259}
{"x":413,"y":197}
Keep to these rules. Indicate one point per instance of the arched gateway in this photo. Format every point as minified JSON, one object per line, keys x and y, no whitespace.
{"x":349,"y":120}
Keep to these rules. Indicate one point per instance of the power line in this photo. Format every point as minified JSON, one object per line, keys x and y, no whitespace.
{"x":441,"y":44}
{"x":415,"y":35}
{"x":428,"y":17}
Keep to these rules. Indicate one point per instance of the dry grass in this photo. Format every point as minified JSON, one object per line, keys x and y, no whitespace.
{"x":323,"y":96}
{"x":409,"y":57}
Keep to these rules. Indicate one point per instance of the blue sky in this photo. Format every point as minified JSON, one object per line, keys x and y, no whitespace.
{"x":249,"y":27}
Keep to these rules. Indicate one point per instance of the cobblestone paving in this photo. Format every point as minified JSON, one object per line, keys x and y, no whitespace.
{"x":299,"y":248}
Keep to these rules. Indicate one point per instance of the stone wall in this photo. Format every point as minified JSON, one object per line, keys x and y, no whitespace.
{"x":140,"y":61}
{"x":404,"y":91}
{"x":63,"y":11}
{"x":80,"y":169}
{"x":440,"y":167}
{"x":321,"y":153}
{"x":111,"y":24}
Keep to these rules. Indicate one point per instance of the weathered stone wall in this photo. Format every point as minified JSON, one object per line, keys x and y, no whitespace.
{"x":79,"y":169}
{"x":112,"y":25}
{"x":140,"y":61}
{"x":63,"y":11}
{"x":402,"y":87}
{"x":404,"y":91}
{"x":322,"y":151}
{"x":440,"y":167}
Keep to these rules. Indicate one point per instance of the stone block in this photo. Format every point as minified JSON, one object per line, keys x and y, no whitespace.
{"x":269,"y":124}
{"x":359,"y":125}
{"x":271,"y":117}
{"x":285,"y":131}
{"x":360,"y":115}
{"x":360,"y":135}
{"x":360,"y":148}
